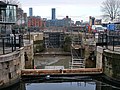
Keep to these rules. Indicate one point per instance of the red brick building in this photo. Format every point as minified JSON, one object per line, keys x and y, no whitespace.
{"x":36,"y":22}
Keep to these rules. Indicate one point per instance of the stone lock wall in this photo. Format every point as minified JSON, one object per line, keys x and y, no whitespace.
{"x":99,"y":57}
{"x":28,"y":49}
{"x":111,"y":64}
{"x":10,"y":67}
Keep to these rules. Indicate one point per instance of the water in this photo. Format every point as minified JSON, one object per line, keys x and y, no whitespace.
{"x":70,"y":86}
{"x":63,"y":85}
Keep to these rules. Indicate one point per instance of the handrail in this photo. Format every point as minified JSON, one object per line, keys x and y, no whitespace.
{"x":64,"y":71}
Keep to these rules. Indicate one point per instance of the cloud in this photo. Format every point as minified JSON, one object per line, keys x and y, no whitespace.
{"x":60,"y":2}
{"x":77,"y":9}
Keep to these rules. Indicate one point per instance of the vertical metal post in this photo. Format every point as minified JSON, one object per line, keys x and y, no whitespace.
{"x":113,"y":43}
{"x":102,"y":39}
{"x":3,"y":45}
{"x":15,"y":41}
{"x":19,"y":41}
{"x":94,"y":36}
{"x":106,"y":41}
{"x":12,"y":43}
{"x":85,"y":34}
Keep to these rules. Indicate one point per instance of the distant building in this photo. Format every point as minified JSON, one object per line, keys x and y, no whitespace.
{"x":75,"y":29}
{"x":35,"y":22}
{"x":65,"y":22}
{"x":25,"y":17}
{"x":53,"y":14}
{"x":20,"y":16}
{"x":98,"y":21}
{"x":30,"y":11}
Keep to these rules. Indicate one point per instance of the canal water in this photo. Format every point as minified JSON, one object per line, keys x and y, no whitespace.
{"x":63,"y":85}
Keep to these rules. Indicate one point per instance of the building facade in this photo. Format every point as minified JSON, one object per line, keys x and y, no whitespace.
{"x":35,"y":23}
{"x":7,"y":18}
{"x":53,"y":14}
{"x":21,"y":16}
{"x":30,"y":11}
{"x":65,"y":22}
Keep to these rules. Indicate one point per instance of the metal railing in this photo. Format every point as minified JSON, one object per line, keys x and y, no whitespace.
{"x":10,"y":44}
{"x":110,"y":39}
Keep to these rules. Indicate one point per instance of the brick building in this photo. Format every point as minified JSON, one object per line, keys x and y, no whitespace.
{"x":36,"y":22}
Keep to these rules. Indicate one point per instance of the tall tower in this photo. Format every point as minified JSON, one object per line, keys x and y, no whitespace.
{"x":30,"y":12}
{"x":53,"y":13}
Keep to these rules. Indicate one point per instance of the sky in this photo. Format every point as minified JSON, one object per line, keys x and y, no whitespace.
{"x":75,"y":9}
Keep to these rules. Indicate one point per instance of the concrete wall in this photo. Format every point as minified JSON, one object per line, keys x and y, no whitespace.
{"x":99,"y":57}
{"x":28,"y":48}
{"x":10,"y":67}
{"x":22,"y":58}
{"x":12,"y":63}
{"x":34,"y":36}
{"x":111,"y":64}
{"x":37,"y":36}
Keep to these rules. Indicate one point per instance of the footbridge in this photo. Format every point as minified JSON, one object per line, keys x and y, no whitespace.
{"x":61,"y":72}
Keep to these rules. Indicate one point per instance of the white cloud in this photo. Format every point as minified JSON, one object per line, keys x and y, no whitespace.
{"x":77,"y":9}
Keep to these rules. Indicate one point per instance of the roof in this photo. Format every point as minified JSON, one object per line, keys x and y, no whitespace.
{"x":3,"y":4}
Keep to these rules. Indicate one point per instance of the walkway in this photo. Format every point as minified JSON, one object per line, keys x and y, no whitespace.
{"x":80,"y":71}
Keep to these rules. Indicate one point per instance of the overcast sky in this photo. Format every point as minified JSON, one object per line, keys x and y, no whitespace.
{"x":76,"y":9}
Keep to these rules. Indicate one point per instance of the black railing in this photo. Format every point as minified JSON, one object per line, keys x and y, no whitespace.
{"x":11,"y":43}
{"x":109,"y":39}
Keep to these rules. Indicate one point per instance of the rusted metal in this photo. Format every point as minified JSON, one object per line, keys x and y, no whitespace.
{"x":86,"y":71}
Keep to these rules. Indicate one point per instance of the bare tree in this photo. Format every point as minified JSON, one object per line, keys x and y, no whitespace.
{"x":111,"y":8}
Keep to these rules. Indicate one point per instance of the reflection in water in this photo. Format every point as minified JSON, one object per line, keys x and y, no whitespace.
{"x":70,"y":86}
{"x":61,"y":86}
{"x":93,"y":85}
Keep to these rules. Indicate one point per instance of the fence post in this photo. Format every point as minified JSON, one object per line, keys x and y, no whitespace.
{"x":12,"y":43}
{"x":19,"y":41}
{"x":113,"y":43}
{"x":106,"y":41}
{"x":3,"y":42}
{"x":102,"y":39}
{"x":15,"y":41}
